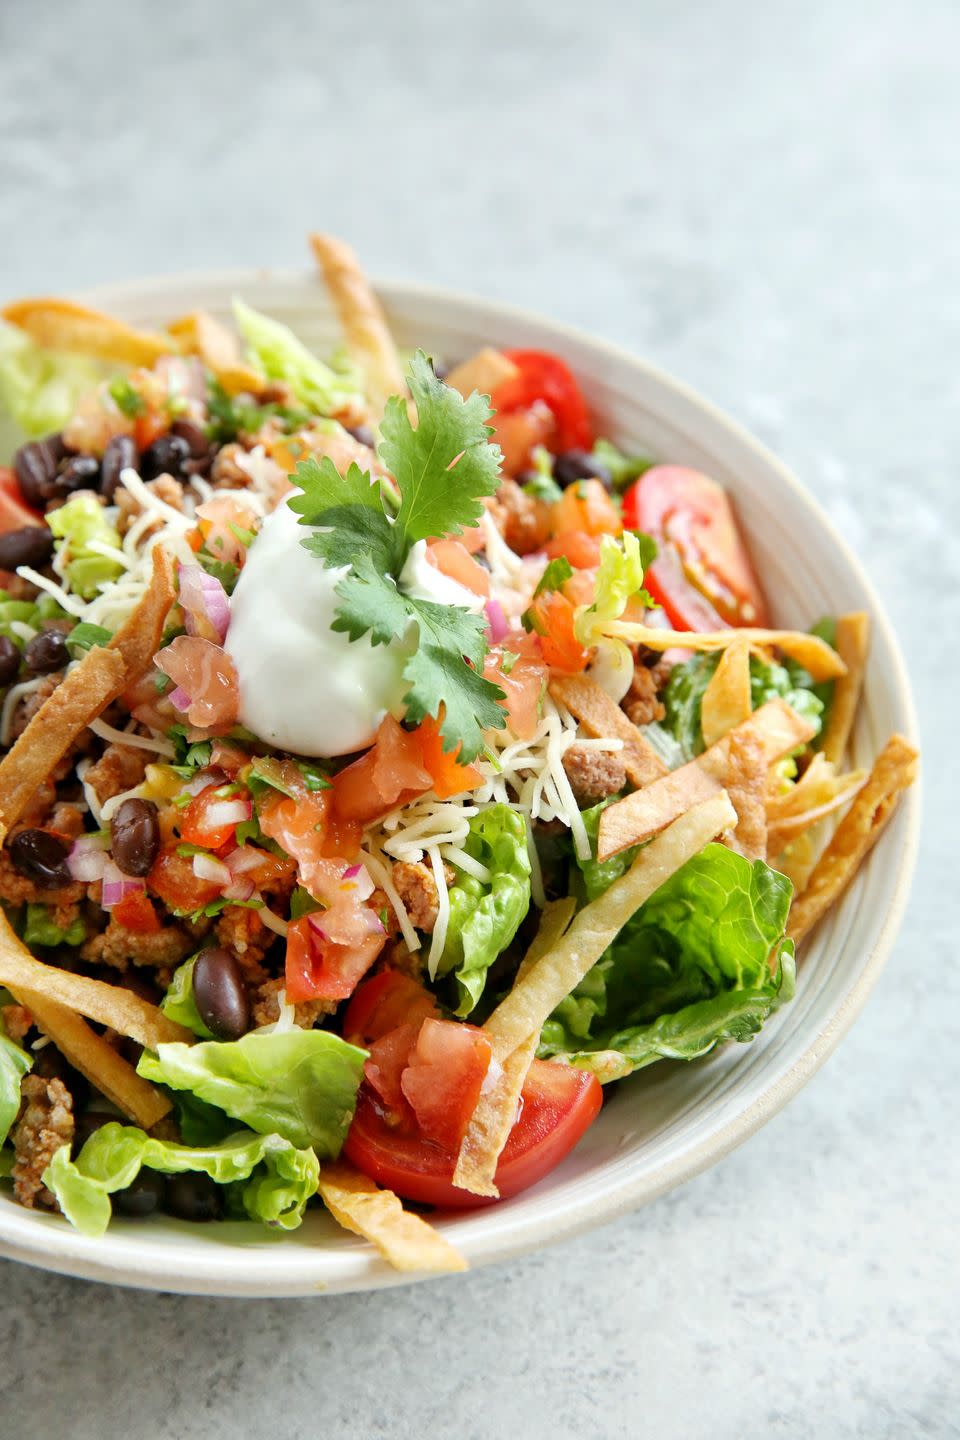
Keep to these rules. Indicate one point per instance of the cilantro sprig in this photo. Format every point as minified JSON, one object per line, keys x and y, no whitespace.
{"x":443,"y":469}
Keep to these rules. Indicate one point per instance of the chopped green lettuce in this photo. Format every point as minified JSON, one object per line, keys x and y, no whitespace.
{"x":683,"y":695}
{"x":77,"y":525}
{"x":301,"y":1085}
{"x":39,"y":928}
{"x":623,"y":469}
{"x":26,"y":612}
{"x":178,"y":1004}
{"x":619,"y":579}
{"x":15,"y":1062}
{"x":790,"y":682}
{"x":689,"y":970}
{"x":40,"y":388}
{"x":277,"y":352}
{"x":485,"y":916}
{"x":280,"y":1178}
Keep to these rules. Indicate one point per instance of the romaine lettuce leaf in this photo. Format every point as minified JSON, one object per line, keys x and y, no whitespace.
{"x":619,"y":579}
{"x":690,"y":969}
{"x":301,"y":1085}
{"x":14,"y":1064}
{"x":281,"y":356}
{"x":281,"y":1178}
{"x":485,"y":917}
{"x":623,"y":469}
{"x":683,"y":695}
{"x":78,"y":522}
{"x":40,"y":388}
{"x":178,"y":1003}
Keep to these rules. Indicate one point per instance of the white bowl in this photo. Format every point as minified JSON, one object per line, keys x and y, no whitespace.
{"x":672,"y":1120}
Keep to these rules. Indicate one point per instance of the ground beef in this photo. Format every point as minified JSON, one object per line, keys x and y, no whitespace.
{"x":265,"y":1006}
{"x":17,"y":889}
{"x":397,"y":956}
{"x":417,"y":889}
{"x":165,"y":488}
{"x":746,"y":784}
{"x":27,"y":707}
{"x":640,"y":704}
{"x":226,"y":474}
{"x":594,"y":774}
{"x":15,"y":1020}
{"x":45,"y":1123}
{"x":522,"y":521}
{"x":243,"y":933}
{"x":67,"y":819}
{"x":119,"y":768}
{"x":119,"y":947}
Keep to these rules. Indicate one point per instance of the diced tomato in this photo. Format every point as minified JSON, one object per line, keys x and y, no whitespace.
{"x":553,"y":619}
{"x":316,"y":969}
{"x":219,"y":518}
{"x":207,"y":674}
{"x":702,"y":575}
{"x":518,"y":432}
{"x":195,"y":825}
{"x":15,"y":513}
{"x":172,"y":880}
{"x":558,"y":1104}
{"x":523,"y":685}
{"x":228,"y":758}
{"x":546,"y":378}
{"x":306,"y":827}
{"x":391,"y":773}
{"x":389,"y":1056}
{"x":581,"y":549}
{"x":586,"y":507}
{"x":135,"y":912}
{"x":454,"y":560}
{"x":447,"y":1067}
{"x":382,"y":1003}
{"x":448,"y":775}
{"x":149,"y":427}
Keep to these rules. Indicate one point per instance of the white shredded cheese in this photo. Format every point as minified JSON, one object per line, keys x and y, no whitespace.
{"x":272,"y":921}
{"x":71,"y":603}
{"x":93,"y":800}
{"x":13,"y":696}
{"x":438,"y":939}
{"x":456,"y":856}
{"x":537,"y":892}
{"x":157,"y":743}
{"x":380,"y":875}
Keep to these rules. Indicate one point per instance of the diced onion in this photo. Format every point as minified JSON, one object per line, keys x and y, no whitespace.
{"x":204,"y":602}
{"x":208,"y":867}
{"x":116,"y":885}
{"x":225,"y":812}
{"x":88,"y":858}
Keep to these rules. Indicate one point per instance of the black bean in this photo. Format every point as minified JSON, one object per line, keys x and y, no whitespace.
{"x":46,"y":652}
{"x":36,"y":470}
{"x":41,"y":857}
{"x":88,"y":1124}
{"x":575,"y":465}
{"x":142,"y":1196}
{"x":220,"y":994}
{"x":31,"y":545}
{"x":164,"y":457}
{"x":195,"y":436}
{"x":135,"y":836}
{"x":80,"y":472}
{"x":193,"y":1197}
{"x":121,"y":454}
{"x":363,"y":434}
{"x":9,"y":661}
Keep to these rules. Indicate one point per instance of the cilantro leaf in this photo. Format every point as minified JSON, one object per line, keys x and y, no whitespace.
{"x":438,"y":677}
{"x":371,"y":602}
{"x":555,"y":576}
{"x":350,"y":509}
{"x":446,"y":465}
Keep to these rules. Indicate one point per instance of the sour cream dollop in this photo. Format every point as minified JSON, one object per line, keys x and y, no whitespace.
{"x":304,"y":686}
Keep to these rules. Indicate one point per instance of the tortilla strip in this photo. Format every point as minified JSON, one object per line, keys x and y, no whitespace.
{"x":746,"y":784}
{"x":89,"y":1053}
{"x":894,"y":769}
{"x":814,"y":654}
{"x":601,"y":717}
{"x":483,"y":372}
{"x":405,"y":1240}
{"x":496,"y":1111}
{"x":199,"y":333}
{"x":534,"y":998}
{"x":852,"y":644}
{"x":364,"y":323}
{"x":111,"y":1005}
{"x":84,"y":691}
{"x":726,"y":700}
{"x":638,"y":816}
{"x":64,"y":325}
{"x":818,"y":784}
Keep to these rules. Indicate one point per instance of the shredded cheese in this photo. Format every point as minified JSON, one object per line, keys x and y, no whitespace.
{"x":380,"y":874}
{"x":12,"y":698}
{"x":157,"y":743}
{"x":272,"y":921}
{"x":438,"y":939}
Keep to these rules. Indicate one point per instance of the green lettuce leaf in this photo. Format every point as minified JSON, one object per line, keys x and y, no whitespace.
{"x":275,"y":350}
{"x":178,"y":1003}
{"x":599,"y":875}
{"x":281,"y":1178}
{"x":623,"y":469}
{"x":301,"y":1085}
{"x":619,"y":579}
{"x":485,"y":917}
{"x":683,"y":696}
{"x":14,"y":1064}
{"x":40,"y":388}
{"x":689,"y":970}
{"x":39,"y":928}
{"x":790,"y":682}
{"x":75,"y":525}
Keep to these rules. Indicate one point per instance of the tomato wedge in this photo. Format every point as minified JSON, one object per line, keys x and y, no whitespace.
{"x":382,"y":1003}
{"x":703,"y":573}
{"x":15,"y":513}
{"x":390,"y":773}
{"x":318,"y":969}
{"x":544,"y":377}
{"x":558,"y":1105}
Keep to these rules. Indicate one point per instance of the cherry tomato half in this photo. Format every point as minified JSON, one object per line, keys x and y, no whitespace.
{"x":545,"y":377}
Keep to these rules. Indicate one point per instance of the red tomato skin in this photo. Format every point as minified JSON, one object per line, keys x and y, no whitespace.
{"x":173,"y":881}
{"x":317,"y":969}
{"x":382,"y":1003}
{"x":135,"y":912}
{"x":15,"y":513}
{"x":442,"y":1079}
{"x":556,"y":1110}
{"x":389,"y":774}
{"x":386,"y":1066}
{"x":577,"y":546}
{"x":193,"y":831}
{"x":546,"y":377}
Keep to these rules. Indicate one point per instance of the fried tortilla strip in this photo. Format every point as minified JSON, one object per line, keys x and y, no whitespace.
{"x":89,"y":1053}
{"x":852,"y":644}
{"x":493,"y":1119}
{"x":111,"y":1005}
{"x":634,"y":819}
{"x":199,"y":333}
{"x":600,"y":717}
{"x":814,"y":654}
{"x":405,"y":1240}
{"x":829,"y":793}
{"x":64,"y":325}
{"x":746,"y":784}
{"x":726,"y":700}
{"x":483,"y":372}
{"x":894,"y":769}
{"x":84,"y":692}
{"x":364,"y":323}
{"x":534,"y":998}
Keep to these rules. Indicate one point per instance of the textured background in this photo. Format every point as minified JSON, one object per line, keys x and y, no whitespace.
{"x":761,"y":197}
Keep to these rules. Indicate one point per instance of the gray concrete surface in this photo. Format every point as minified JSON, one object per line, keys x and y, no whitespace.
{"x":763,"y":198}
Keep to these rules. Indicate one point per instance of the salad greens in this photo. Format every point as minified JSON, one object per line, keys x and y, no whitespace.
{"x":685,"y":688}
{"x":301,"y":1085}
{"x":40,"y":388}
{"x":277,"y":352}
{"x":484,"y":917}
{"x":76,"y":524}
{"x":178,"y":1004}
{"x":691,"y":969}
{"x":280,"y":1177}
{"x":15,"y":1062}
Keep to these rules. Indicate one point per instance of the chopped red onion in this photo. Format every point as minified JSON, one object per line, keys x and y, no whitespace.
{"x":240,"y":888}
{"x":226,"y":812}
{"x":244,"y":858}
{"x":345,"y":923}
{"x":180,"y":700}
{"x":204,"y":602}
{"x":497,"y":620}
{"x":116,"y":885}
{"x":203,"y":780}
{"x":88,"y":858}
{"x":355,"y":881}
{"x":208,"y":867}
